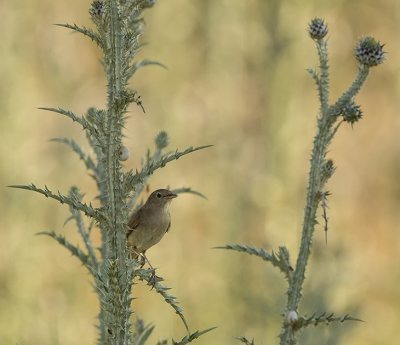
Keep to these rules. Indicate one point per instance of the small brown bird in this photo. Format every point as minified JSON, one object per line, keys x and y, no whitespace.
{"x":150,"y":223}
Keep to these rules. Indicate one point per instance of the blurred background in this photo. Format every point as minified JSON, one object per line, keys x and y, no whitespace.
{"x":237,"y":79}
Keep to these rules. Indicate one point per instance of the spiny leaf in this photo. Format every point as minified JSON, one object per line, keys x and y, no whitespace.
{"x":314,"y":75}
{"x":147,"y":275}
{"x":252,"y":251}
{"x":77,"y":149}
{"x":245,"y":340}
{"x":280,"y":260}
{"x":81,"y":120}
{"x":305,"y":321}
{"x":74,"y":250}
{"x":132,"y":180}
{"x":189,"y":338}
{"x":144,"y":336}
{"x":139,"y":64}
{"x":77,"y":216}
{"x":134,"y":10}
{"x":87,"y":210}
{"x":87,"y":32}
{"x":188,"y":190}
{"x":317,"y":82}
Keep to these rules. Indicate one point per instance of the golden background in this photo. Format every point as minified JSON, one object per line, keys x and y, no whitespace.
{"x":237,"y":79}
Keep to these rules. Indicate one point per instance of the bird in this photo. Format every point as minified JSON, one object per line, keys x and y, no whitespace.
{"x":149,"y":224}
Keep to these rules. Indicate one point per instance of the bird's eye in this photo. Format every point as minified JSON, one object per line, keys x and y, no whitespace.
{"x":158,"y":195}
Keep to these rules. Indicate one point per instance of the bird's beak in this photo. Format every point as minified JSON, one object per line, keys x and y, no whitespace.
{"x":171,"y":196}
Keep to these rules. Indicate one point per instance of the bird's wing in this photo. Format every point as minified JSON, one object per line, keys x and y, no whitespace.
{"x":134,"y":221}
{"x":169,"y":226}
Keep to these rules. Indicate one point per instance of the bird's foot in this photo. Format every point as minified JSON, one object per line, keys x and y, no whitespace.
{"x":153,"y":279}
{"x":142,"y":261}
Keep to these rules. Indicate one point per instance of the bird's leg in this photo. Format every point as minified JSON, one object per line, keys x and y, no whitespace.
{"x":153,"y":277}
{"x":142,"y":259}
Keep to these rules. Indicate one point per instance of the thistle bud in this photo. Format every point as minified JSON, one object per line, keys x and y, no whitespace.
{"x":369,"y":52}
{"x":162,"y":140}
{"x":352,"y":113}
{"x":317,"y":29}
{"x":97,"y":9}
{"x":327,"y":170}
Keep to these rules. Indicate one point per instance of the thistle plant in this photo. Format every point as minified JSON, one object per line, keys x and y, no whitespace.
{"x":369,"y":53}
{"x":119,"y":25}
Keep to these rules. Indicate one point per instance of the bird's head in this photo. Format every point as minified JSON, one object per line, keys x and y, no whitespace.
{"x":161,"y":197}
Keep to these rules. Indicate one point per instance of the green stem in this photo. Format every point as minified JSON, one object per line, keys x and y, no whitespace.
{"x":318,"y":157}
{"x":114,"y":87}
{"x":324,"y":78}
{"x":321,"y":143}
{"x":118,"y":319}
{"x":363,"y":73}
{"x":324,"y":136}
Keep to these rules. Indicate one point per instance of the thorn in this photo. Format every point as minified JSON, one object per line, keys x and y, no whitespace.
{"x":324,"y":205}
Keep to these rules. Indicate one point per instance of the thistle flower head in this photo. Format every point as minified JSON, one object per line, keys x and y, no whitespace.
{"x":328,"y":169}
{"x":352,"y":113}
{"x":317,"y":29}
{"x":369,"y":52}
{"x":162,"y":140}
{"x":97,"y":8}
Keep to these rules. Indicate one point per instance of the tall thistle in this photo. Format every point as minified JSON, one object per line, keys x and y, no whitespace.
{"x":369,"y":53}
{"x":119,"y":26}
